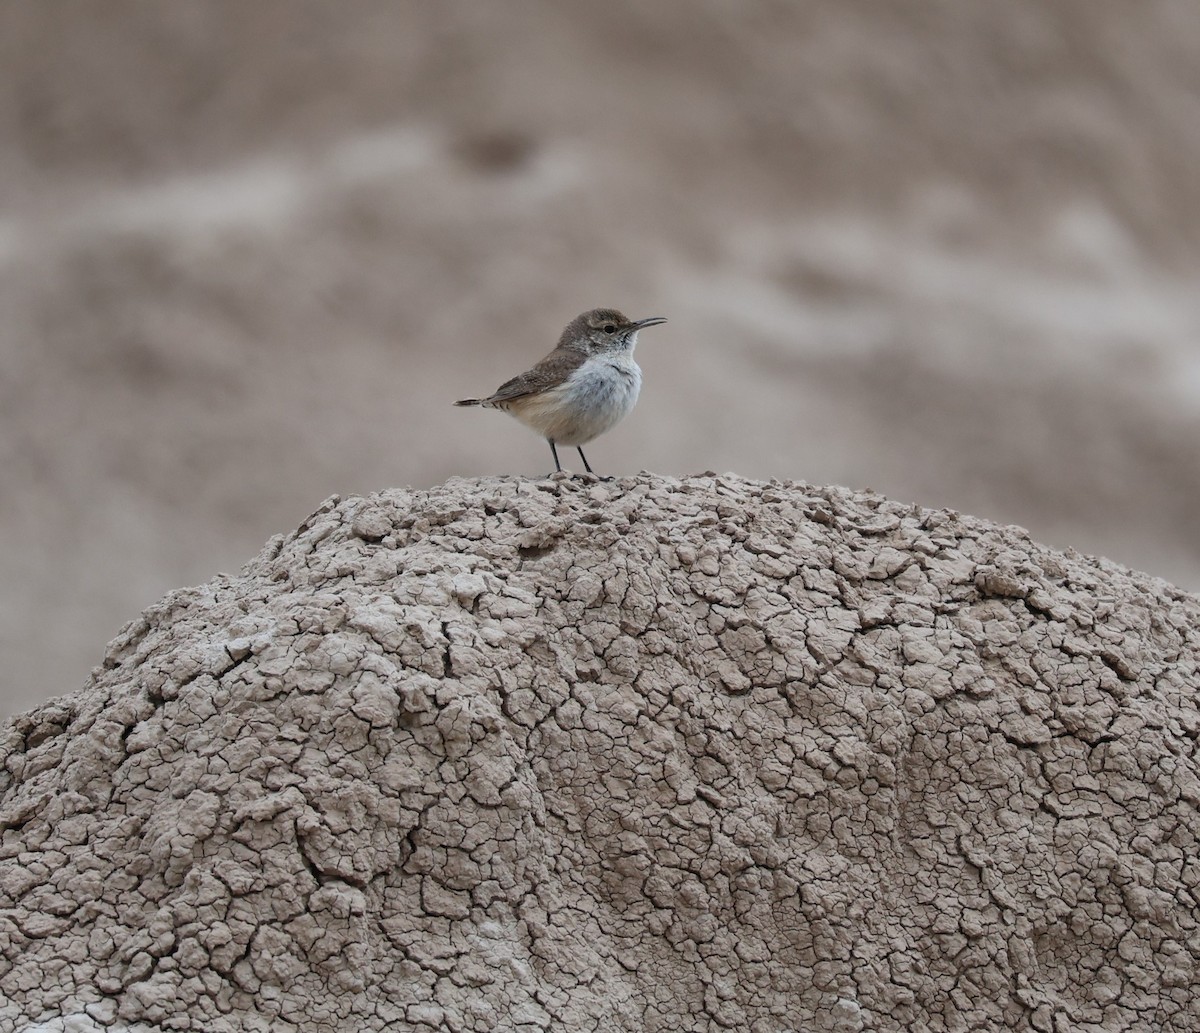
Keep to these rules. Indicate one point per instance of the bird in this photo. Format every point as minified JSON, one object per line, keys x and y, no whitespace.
{"x":584,"y":387}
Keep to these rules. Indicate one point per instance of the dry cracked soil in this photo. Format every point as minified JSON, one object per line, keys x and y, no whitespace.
{"x":657,"y":754}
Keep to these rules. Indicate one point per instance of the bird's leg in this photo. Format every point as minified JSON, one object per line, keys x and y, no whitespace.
{"x":588,"y":466}
{"x":554,"y":452}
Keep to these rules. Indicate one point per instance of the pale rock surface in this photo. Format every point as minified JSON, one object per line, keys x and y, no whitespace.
{"x":654,"y":754}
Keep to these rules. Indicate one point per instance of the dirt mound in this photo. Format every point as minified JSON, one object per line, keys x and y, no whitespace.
{"x":653,"y":754}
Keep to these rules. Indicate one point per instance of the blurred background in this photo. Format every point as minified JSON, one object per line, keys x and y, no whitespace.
{"x":251,"y":252}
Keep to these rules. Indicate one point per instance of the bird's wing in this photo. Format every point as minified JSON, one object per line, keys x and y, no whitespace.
{"x":552,"y":370}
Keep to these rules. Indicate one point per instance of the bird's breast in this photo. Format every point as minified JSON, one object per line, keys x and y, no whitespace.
{"x":597,"y":395}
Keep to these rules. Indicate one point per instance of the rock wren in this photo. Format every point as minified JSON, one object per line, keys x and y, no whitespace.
{"x":587,"y":385}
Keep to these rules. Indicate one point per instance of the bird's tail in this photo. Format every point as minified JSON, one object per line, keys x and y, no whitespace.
{"x":469,"y":401}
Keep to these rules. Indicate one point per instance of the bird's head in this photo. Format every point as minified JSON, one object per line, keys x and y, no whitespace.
{"x":604,"y":330}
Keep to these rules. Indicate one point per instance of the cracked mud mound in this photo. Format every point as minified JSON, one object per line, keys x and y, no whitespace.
{"x":655,"y":754}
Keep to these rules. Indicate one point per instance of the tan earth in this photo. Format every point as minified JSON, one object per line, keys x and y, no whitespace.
{"x":251,"y":252}
{"x":651,"y":755}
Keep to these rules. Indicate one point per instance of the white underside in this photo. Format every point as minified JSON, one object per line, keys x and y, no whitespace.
{"x":593,"y":399}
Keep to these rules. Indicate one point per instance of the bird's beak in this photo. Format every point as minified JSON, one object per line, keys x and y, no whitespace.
{"x":652,"y":321}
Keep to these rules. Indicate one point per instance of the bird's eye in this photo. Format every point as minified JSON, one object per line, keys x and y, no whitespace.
{"x":609,"y":328}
